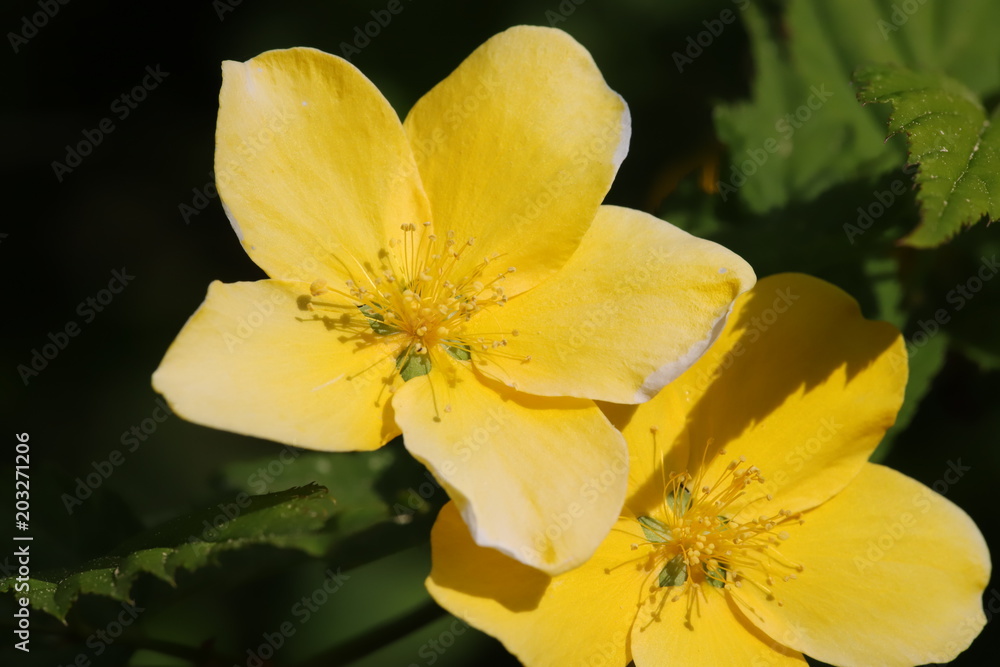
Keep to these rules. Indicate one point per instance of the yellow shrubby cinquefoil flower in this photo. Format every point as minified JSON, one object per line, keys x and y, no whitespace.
{"x":755,"y":530}
{"x":453,"y":278}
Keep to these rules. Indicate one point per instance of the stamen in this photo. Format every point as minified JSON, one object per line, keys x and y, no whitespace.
{"x":414,"y":298}
{"x":700,"y":541}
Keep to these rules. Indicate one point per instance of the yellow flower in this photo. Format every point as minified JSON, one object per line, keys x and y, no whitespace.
{"x":754,"y":530}
{"x":453,"y":278}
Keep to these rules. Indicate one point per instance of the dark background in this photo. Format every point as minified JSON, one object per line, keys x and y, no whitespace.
{"x":121,"y":208}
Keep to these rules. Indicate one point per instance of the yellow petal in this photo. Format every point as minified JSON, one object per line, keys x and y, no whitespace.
{"x":581,"y":617}
{"x":712,"y":631}
{"x":312,"y":164}
{"x":251,"y":361}
{"x":517,"y":148}
{"x":799,"y":383}
{"x":658,"y":446}
{"x":541,"y":479}
{"x":893,"y":575}
{"x":637,"y":303}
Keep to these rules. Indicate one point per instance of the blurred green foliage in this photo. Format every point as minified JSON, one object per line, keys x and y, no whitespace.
{"x":747,"y":130}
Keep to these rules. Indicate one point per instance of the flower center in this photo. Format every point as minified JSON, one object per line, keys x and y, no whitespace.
{"x":702,"y":539}
{"x":417,"y":296}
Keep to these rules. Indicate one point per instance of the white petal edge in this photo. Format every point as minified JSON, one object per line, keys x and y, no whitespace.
{"x":626,"y":136}
{"x":672,"y":370}
{"x":232,"y":221}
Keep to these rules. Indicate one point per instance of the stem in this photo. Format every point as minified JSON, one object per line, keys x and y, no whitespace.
{"x":376,"y":638}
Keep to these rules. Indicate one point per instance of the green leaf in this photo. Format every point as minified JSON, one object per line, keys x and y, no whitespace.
{"x":190,"y":542}
{"x":654,"y":530}
{"x":365,"y":484}
{"x":386,"y":499}
{"x":952,"y":138}
{"x":674,"y":573}
{"x":802,"y":131}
